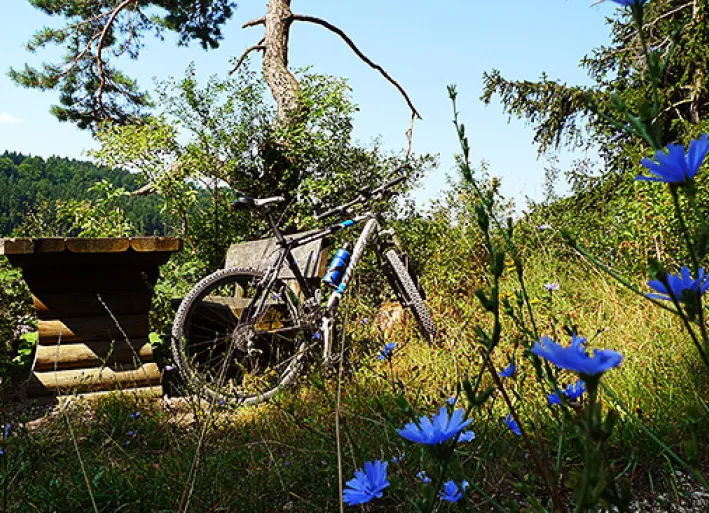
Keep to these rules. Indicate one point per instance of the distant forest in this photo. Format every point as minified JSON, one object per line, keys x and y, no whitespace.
{"x":30,"y":187}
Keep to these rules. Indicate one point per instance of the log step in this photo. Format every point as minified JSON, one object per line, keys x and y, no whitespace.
{"x":80,"y":380}
{"x":82,"y":329}
{"x":91,"y":354}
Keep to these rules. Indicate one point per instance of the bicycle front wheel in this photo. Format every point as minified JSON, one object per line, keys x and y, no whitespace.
{"x":410,"y":294}
{"x":237,"y":341}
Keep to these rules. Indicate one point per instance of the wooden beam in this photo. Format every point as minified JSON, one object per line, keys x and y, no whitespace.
{"x":92,"y":354}
{"x":92,"y":379}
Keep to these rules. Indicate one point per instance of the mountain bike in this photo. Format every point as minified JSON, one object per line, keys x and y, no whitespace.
{"x":242,"y":334}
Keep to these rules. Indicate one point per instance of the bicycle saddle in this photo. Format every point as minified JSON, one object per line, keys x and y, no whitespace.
{"x":248,"y":201}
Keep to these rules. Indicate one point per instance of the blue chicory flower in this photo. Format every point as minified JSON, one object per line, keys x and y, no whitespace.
{"x":575,"y":358}
{"x":451,"y":492}
{"x":628,"y":3}
{"x":7,"y":429}
{"x":551,"y":287}
{"x":573,"y":391}
{"x":437,"y":430}
{"x":317,"y":335}
{"x":387,"y":351}
{"x":543,"y":227}
{"x":135,"y":415}
{"x":509,"y":371}
{"x":452,"y":400}
{"x":397,"y":459}
{"x":466,"y":436}
{"x":682,"y":286}
{"x":674,"y":166}
{"x":511,"y":423}
{"x":367,"y":484}
{"x":424,"y":477}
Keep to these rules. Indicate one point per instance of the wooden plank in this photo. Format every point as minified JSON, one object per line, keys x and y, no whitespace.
{"x":258,"y":254}
{"x":98,"y":245}
{"x":16,"y":246}
{"x":91,"y":354}
{"x":49,"y":245}
{"x":83,"y":329}
{"x":41,"y":383}
{"x":142,"y":392}
{"x":156,"y":244}
{"x":60,"y":304}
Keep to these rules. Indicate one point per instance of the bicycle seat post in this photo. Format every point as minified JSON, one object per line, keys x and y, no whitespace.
{"x":274,"y":227}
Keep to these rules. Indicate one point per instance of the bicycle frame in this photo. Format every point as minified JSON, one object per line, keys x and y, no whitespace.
{"x":372,"y":229}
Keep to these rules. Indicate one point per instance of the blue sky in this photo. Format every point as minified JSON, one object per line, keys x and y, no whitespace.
{"x":424,"y":45}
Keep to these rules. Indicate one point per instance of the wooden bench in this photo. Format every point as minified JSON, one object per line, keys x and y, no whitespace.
{"x":92,"y":298}
{"x":312,"y":261}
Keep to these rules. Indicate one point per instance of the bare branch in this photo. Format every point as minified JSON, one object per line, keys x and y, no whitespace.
{"x":410,"y":136}
{"x":253,"y":23}
{"x":99,"y":49}
{"x":260,"y":46}
{"x":350,"y":43}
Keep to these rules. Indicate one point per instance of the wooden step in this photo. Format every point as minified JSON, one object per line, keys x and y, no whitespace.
{"x":82,"y":380}
{"x":91,"y":354}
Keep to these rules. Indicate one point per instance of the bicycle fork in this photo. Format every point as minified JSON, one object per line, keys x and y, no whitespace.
{"x":328,"y":321}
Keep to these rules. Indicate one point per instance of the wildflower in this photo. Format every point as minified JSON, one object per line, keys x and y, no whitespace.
{"x":2,"y":452}
{"x":385,"y":353}
{"x":221,"y":402}
{"x":424,"y":477}
{"x":397,"y":459}
{"x":365,"y":320}
{"x":543,"y":227}
{"x":135,"y":415}
{"x":437,"y":430}
{"x":511,"y":423}
{"x":681,"y":286}
{"x":573,"y":391}
{"x":451,"y":492}
{"x":169,"y":368}
{"x":674,"y":166}
{"x":276,"y":296}
{"x":575,"y":358}
{"x":552,"y":286}
{"x":628,"y":3}
{"x":131,"y":433}
{"x":317,"y":335}
{"x":367,"y":484}
{"x":509,"y":371}
{"x":7,"y":429}
{"x":466,"y":436}
{"x":452,"y":400}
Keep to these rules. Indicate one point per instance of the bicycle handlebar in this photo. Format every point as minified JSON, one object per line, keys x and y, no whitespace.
{"x":364,"y":194}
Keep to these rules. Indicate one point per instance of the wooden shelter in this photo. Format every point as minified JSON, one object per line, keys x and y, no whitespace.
{"x":92,"y":297}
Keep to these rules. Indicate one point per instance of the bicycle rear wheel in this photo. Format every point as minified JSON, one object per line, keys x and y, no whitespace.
{"x":237,"y":341}
{"x":410,"y":294}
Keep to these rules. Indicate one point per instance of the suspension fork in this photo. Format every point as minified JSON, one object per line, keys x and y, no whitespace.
{"x":371,"y":229}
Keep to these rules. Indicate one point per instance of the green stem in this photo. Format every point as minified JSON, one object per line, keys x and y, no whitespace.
{"x":683,"y":229}
{"x":697,"y":475}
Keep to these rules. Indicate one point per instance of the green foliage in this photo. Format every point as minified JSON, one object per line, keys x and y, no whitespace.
{"x":91,"y":89}
{"x":103,"y":217}
{"x":32,"y":190}
{"x":16,"y":322}
{"x":233,"y":147}
{"x":624,"y":98}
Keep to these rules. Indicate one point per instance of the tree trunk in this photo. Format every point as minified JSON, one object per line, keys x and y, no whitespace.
{"x":283,"y":85}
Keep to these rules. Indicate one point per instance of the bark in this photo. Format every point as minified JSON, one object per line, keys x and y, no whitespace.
{"x":280,"y":80}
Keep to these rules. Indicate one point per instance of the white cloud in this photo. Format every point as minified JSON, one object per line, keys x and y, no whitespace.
{"x":7,"y":118}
